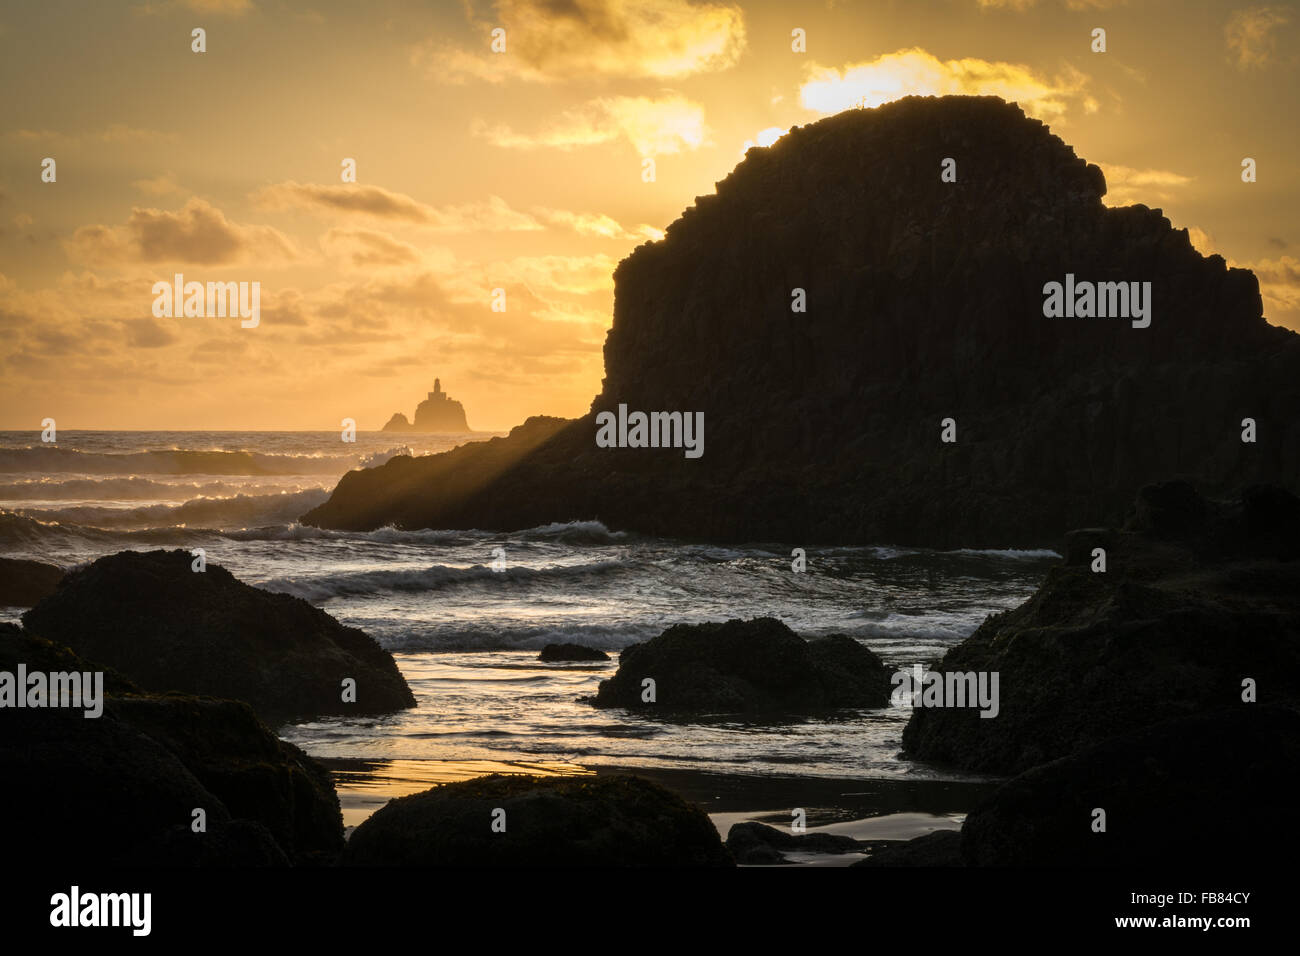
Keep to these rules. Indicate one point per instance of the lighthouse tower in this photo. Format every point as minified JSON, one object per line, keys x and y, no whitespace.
{"x":437,"y":390}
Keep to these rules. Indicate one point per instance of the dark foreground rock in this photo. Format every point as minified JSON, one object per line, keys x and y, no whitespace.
{"x":757,"y":844}
{"x":745,"y":666}
{"x":553,"y":653}
{"x":940,"y":848}
{"x":924,"y":302}
{"x":121,"y":789}
{"x":24,"y":583}
{"x":549,"y":821}
{"x":169,"y":628}
{"x":1198,"y":597}
{"x":1212,"y":790}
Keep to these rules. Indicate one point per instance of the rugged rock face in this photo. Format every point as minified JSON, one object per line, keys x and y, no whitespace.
{"x":437,"y":413}
{"x":132,"y":778}
{"x":924,"y":301}
{"x":549,"y":821}
{"x":1197,"y":597}
{"x":1202,"y":791}
{"x":24,"y":583}
{"x":169,"y":628}
{"x":745,"y":666}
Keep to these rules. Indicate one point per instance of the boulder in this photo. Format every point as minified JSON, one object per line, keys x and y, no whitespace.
{"x":549,"y":821}
{"x":1213,"y":790}
{"x":751,"y":666}
{"x":24,"y":583}
{"x":121,"y":789}
{"x":757,"y":844}
{"x":1198,"y":597}
{"x":553,"y":653}
{"x":938,"y":848}
{"x":169,"y":628}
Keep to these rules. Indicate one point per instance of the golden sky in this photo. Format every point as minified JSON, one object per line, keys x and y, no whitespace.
{"x":519,"y":170}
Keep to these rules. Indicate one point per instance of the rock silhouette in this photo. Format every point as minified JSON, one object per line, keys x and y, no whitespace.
{"x":23,"y":583}
{"x":924,"y":301}
{"x":1166,"y":804}
{"x":437,"y":413}
{"x":739,"y":666}
{"x":1197,"y":597}
{"x":168,"y":628}
{"x":132,"y":778}
{"x":548,"y":821}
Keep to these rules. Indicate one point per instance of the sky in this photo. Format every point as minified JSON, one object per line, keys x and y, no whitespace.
{"x":519,"y":169}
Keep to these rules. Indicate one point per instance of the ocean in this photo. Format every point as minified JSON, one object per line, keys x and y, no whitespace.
{"x":466,"y":635}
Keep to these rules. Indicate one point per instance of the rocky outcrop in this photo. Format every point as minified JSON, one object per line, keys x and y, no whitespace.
{"x":554,"y":653}
{"x":398,"y":492}
{"x":169,"y":628}
{"x":757,"y":844}
{"x":924,"y":302}
{"x":751,"y":666}
{"x":541,"y":821}
{"x":23,"y":583}
{"x":121,"y":789}
{"x":1197,"y":598}
{"x":437,"y":413}
{"x":1201,"y":792}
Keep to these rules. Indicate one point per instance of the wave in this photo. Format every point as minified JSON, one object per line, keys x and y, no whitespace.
{"x":239,"y":511}
{"x":507,"y":637}
{"x":1014,"y":554}
{"x":352,"y":583}
{"x":180,"y":461}
{"x":130,"y":489}
{"x":572,"y":532}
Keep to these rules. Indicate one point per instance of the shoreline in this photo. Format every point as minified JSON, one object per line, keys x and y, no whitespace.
{"x":874,"y":809}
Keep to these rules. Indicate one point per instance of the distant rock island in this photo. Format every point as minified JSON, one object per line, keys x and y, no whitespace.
{"x":437,"y":413}
{"x":921,"y":303}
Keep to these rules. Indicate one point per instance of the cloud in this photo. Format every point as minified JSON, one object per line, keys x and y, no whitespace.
{"x":1201,"y":240}
{"x":916,"y":72}
{"x":669,"y":124}
{"x":764,"y":137}
{"x":1069,"y":4}
{"x":235,"y":8}
{"x":1250,"y":35}
{"x":492,"y":215}
{"x":148,"y":333}
{"x":197,"y":234}
{"x":596,"y":224}
{"x":364,"y":248}
{"x":158,"y":186}
{"x":549,"y":40}
{"x":115,"y":133}
{"x":1279,"y":286}
{"x":1125,"y":185}
{"x":580,"y":275}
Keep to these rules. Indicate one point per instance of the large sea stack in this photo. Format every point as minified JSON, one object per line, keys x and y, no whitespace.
{"x":924,"y":302}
